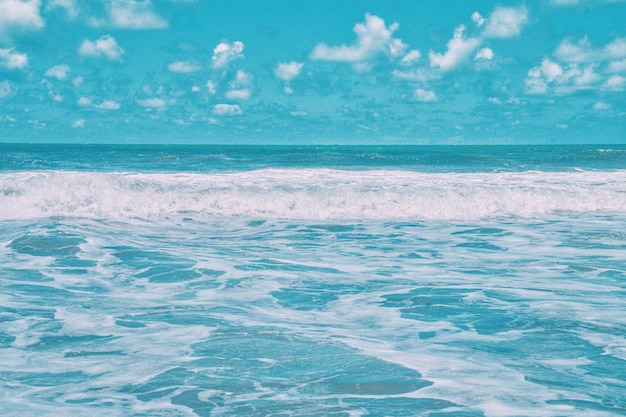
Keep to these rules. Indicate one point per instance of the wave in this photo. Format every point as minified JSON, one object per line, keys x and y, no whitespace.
{"x":310,"y":194}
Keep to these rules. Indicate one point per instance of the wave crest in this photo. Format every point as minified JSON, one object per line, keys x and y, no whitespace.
{"x":310,"y":194}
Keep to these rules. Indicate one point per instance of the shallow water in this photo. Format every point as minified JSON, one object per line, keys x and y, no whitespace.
{"x":140,"y":300}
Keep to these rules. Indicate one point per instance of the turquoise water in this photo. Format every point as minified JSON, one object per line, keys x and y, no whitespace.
{"x":312,"y":281}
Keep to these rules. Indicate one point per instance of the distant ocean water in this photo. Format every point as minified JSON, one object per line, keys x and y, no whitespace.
{"x":312,"y":281}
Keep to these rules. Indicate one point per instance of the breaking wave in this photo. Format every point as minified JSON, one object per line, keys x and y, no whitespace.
{"x":310,"y":194}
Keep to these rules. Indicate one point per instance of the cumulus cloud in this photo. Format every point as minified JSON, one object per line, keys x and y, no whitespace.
{"x":459,"y":49}
{"x":506,"y":22}
{"x":211,"y":87}
{"x":485,"y":53}
{"x":10,"y":59}
{"x":78,"y":123}
{"x":133,"y":14}
{"x":540,"y":76}
{"x":69,"y":6}
{"x":564,"y":79}
{"x":226,"y":109}
{"x":287,"y":71}
{"x":580,"y":51}
{"x":184,"y":67}
{"x":615,"y":49}
{"x":425,"y":95}
{"x":105,"y":47}
{"x":583,"y":51}
{"x":579,"y":65}
{"x":615,"y":82}
{"x":617,"y":66}
{"x":240,"y":86}
{"x":242,"y":79}
{"x":600,"y":105}
{"x":411,"y":57}
{"x":104,"y":105}
{"x":374,"y":39}
{"x":478,"y":19}
{"x":155,"y":102}
{"x":23,"y":14}
{"x":108,"y":105}
{"x":226,"y":52}
{"x":7,"y":89}
{"x":60,"y":72}
{"x":241,"y":94}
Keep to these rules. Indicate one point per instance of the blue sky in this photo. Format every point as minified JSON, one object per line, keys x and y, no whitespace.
{"x":320,"y":72}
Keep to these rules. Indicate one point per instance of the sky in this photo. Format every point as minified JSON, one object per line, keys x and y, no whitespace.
{"x":313,"y":72}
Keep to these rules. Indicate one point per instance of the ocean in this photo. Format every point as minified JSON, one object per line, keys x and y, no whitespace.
{"x":312,"y":281}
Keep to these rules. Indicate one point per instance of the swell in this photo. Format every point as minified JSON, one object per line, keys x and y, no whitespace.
{"x":313,"y":194}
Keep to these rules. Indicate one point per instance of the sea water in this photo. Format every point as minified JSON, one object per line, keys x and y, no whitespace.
{"x":312,"y":281}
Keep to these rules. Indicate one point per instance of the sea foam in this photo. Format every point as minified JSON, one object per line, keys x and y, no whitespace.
{"x":310,"y":194}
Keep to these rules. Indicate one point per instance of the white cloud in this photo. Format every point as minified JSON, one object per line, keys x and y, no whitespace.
{"x":485,"y":53}
{"x":459,"y":49}
{"x":579,"y":65}
{"x":617,"y":66}
{"x":539,"y":77}
{"x":411,"y":57}
{"x":108,"y":105}
{"x":69,"y":6}
{"x":105,"y":47}
{"x":78,"y":123}
{"x":506,"y":22}
{"x":7,"y":89}
{"x":586,"y":76}
{"x":60,"y":72}
{"x":615,"y":49}
{"x":421,"y":75}
{"x":299,"y":113}
{"x":615,"y":82}
{"x":374,"y":39}
{"x":10,"y":59}
{"x":600,"y":105}
{"x":184,"y":67}
{"x":478,"y":19}
{"x":210,"y":85}
{"x":225,"y":52}
{"x":425,"y":95}
{"x":242,"y":79}
{"x":51,"y":93}
{"x":287,"y":71}
{"x":134,"y":14}
{"x":583,"y":50}
{"x":242,"y":94}
{"x":226,"y":109}
{"x":580,"y":51}
{"x":156,"y":103}
{"x":104,"y":105}
{"x":22,"y":14}
{"x":561,"y":79}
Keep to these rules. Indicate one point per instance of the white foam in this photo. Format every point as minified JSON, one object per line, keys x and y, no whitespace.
{"x":311,"y":194}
